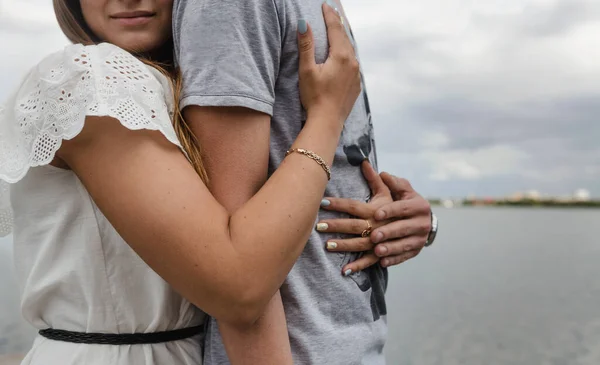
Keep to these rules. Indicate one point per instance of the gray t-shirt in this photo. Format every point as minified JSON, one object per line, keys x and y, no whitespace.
{"x":244,"y":53}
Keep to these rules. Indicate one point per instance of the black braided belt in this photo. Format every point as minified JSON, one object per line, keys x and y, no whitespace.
{"x":121,"y":339}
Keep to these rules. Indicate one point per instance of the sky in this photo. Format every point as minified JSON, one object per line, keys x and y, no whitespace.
{"x":468,"y":97}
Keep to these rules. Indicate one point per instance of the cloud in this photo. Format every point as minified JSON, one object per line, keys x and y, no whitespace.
{"x":26,"y":15}
{"x":494,"y":96}
{"x":28,"y":32}
{"x":474,"y":164}
{"x":487,"y":97}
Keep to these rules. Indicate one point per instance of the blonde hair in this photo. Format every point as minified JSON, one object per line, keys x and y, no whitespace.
{"x":70,"y":19}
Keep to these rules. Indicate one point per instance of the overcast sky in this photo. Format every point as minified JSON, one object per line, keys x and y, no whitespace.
{"x":468,"y":97}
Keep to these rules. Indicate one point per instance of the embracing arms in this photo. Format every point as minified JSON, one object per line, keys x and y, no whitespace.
{"x":236,"y":143}
{"x":229,"y":265}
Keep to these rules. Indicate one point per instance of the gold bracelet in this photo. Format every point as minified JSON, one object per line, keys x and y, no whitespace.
{"x":313,"y":156}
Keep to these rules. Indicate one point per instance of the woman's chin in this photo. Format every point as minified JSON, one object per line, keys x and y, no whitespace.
{"x":137,"y":42}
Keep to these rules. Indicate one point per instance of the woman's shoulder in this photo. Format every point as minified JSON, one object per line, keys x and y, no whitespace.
{"x":81,"y":54}
{"x":85,"y":62}
{"x":67,"y":86}
{"x":94,"y":72}
{"x":96,"y":80}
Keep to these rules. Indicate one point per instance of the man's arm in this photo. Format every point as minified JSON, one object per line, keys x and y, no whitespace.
{"x":229,"y":54}
{"x":235,"y":143}
{"x":235,"y":149}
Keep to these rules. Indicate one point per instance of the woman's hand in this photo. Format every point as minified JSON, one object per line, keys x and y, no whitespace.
{"x":330,"y":88}
{"x":364,"y":213}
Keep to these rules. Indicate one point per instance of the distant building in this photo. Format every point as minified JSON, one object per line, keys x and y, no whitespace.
{"x":581,"y":195}
{"x":533,"y":195}
{"x":447,"y":203}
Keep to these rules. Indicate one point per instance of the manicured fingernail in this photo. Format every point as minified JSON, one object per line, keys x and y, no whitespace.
{"x":378,"y":237}
{"x":325,"y":203}
{"x":332,"y":5}
{"x":322,"y":227}
{"x":348,"y":272}
{"x":302,"y":26}
{"x":382,"y":250}
{"x":331,"y":245}
{"x":380,"y":215}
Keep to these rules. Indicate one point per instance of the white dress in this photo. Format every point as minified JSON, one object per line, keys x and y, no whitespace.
{"x":75,"y":272}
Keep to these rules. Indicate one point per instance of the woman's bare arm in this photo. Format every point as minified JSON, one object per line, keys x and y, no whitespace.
{"x":228,"y":265}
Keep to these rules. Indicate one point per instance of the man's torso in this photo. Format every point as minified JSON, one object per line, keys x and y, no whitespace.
{"x":332,"y":319}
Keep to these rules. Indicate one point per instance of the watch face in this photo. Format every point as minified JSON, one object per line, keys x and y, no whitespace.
{"x":434,"y":223}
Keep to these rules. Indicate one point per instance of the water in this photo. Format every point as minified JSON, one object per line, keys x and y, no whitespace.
{"x":499,"y":287}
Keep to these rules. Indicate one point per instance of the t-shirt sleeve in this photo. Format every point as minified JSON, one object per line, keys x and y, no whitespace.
{"x":228,"y":52}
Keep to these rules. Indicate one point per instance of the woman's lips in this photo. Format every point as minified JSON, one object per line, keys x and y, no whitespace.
{"x":134,"y":18}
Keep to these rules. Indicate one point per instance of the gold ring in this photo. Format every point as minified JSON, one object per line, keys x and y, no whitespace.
{"x":367,"y":232}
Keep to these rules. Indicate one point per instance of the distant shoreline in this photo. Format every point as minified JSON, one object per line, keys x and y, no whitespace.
{"x":520,"y":203}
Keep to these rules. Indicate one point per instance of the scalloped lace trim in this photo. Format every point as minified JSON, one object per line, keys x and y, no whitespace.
{"x":57,"y":96}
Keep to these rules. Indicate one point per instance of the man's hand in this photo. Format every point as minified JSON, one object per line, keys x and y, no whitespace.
{"x":406,"y":235}
{"x":363,"y":219}
{"x":401,"y":219}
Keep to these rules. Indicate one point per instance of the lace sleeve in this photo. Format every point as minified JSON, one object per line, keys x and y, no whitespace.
{"x":57,"y":95}
{"x":63,"y":89}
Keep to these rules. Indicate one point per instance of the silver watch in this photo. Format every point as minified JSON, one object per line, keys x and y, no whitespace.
{"x":433,"y":232}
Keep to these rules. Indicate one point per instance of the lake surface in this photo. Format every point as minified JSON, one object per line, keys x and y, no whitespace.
{"x":500,"y":286}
